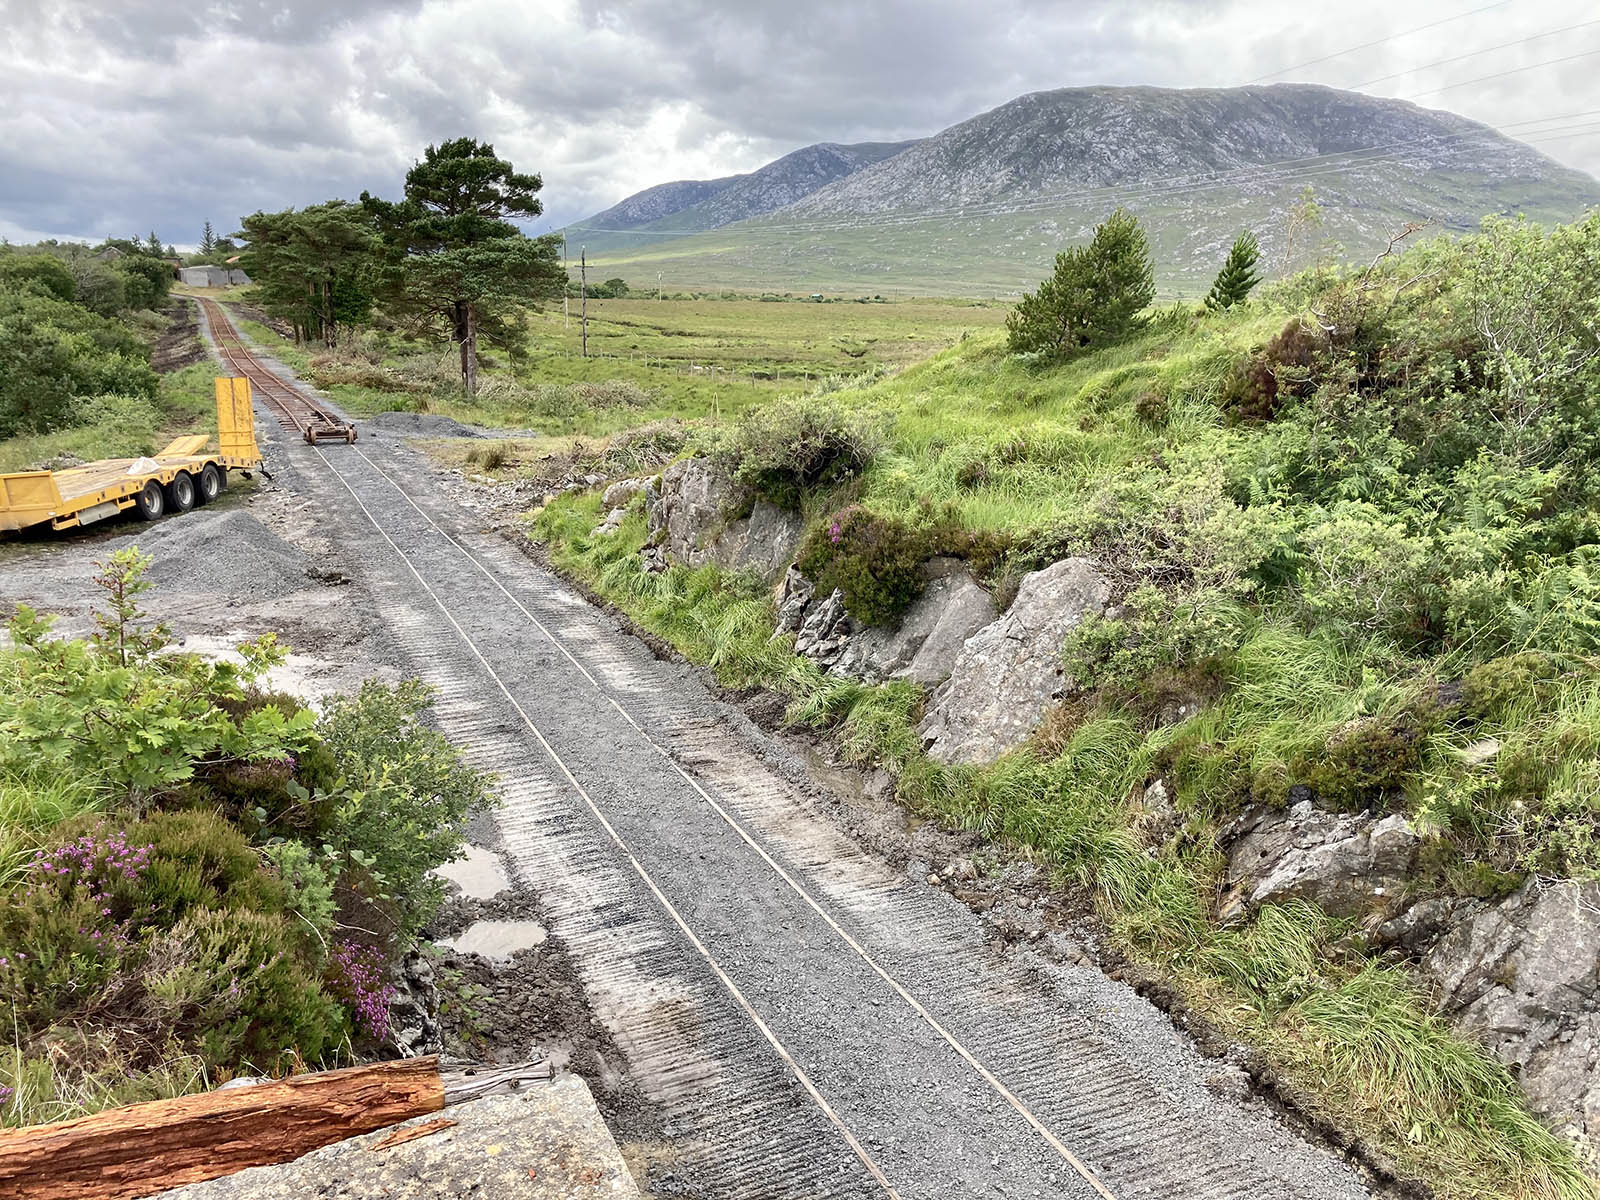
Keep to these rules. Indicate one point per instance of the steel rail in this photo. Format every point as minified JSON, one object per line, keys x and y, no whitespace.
{"x":293,"y":408}
{"x":1011,"y":1099}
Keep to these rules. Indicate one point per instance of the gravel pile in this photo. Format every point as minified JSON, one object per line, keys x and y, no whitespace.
{"x":228,"y":553}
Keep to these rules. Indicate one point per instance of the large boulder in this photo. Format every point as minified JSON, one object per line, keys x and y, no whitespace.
{"x":1350,"y":865}
{"x":1009,"y":673}
{"x":699,"y":514}
{"x":924,"y":646}
{"x":1524,"y":975}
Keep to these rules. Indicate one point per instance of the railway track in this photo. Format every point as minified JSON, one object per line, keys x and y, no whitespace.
{"x":811,"y":1022}
{"x":294,"y":410}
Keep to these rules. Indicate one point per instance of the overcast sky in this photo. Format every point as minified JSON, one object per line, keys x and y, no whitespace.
{"x":121,"y":116}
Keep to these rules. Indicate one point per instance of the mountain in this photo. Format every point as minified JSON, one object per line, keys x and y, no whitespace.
{"x":983,"y":206}
{"x":694,"y":205}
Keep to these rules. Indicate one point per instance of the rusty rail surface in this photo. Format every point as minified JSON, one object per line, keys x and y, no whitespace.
{"x":293,"y":408}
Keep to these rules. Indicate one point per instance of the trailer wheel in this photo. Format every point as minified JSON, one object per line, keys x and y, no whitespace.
{"x":151,"y":501}
{"x":209,"y":486}
{"x":180,"y":492}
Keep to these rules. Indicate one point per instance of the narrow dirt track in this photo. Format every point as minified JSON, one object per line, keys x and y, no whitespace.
{"x":813,"y":1022}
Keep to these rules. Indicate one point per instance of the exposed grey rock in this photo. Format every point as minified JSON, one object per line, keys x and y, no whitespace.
{"x":697,"y":516}
{"x":547,"y":1142}
{"x":795,"y":593}
{"x":414,"y":1011}
{"x":768,"y":540}
{"x":691,"y":507}
{"x":1524,"y":975}
{"x":1419,"y":926}
{"x":612,"y":523}
{"x":1350,"y":865}
{"x":825,"y":633}
{"x":1008,"y":673}
{"x":711,"y":203}
{"x":924,"y":646}
{"x":621,"y":492}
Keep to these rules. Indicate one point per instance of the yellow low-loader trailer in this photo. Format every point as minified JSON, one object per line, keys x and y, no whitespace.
{"x":175,"y":480}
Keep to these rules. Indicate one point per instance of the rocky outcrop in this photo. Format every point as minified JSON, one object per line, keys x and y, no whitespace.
{"x":414,"y":1008}
{"x":700,"y":514}
{"x":922,"y":647}
{"x":622,"y":492}
{"x":1009,"y":673}
{"x":1524,"y":975}
{"x":824,"y":633}
{"x":1350,"y":865}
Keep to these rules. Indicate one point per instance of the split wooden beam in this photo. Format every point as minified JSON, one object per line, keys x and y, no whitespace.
{"x":143,"y":1149}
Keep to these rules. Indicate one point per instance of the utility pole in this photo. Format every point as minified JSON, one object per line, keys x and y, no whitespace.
{"x":566,"y":304}
{"x":583,"y":293}
{"x":658,"y":285}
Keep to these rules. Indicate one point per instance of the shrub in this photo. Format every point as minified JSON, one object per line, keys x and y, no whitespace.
{"x":875,"y":561}
{"x":1283,"y":368}
{"x":785,"y":449}
{"x":53,"y":353}
{"x":231,"y":986}
{"x":1152,"y":408}
{"x":115,"y":708}
{"x":1369,"y":762}
{"x":167,"y":930}
{"x":308,"y":890}
{"x":1095,"y":296}
{"x":199,"y":861}
{"x":358,"y":975}
{"x":404,"y":795}
{"x":1492,"y":689}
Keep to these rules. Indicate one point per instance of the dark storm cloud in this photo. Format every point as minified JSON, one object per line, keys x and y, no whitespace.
{"x":119,"y":116}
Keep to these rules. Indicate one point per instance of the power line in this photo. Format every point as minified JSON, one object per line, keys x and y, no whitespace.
{"x":1474,"y":54}
{"x":1369,"y":45}
{"x":1501,"y":74}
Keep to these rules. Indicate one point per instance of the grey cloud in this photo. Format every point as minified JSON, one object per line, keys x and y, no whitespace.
{"x":140,"y":112}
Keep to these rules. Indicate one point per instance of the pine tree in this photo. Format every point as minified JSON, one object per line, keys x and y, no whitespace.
{"x":1238,"y":275}
{"x":208,"y":239}
{"x":1094,"y":297}
{"x":458,"y":264}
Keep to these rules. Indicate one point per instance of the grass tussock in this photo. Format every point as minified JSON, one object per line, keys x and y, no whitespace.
{"x":1353,"y":531}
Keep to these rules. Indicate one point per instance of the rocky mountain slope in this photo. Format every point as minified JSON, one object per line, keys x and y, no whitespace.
{"x":712,"y":203}
{"x":985,"y":205}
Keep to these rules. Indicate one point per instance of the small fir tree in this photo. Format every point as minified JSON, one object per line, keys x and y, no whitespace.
{"x":1238,"y":275}
{"x":208,"y":239}
{"x":1094,"y":298}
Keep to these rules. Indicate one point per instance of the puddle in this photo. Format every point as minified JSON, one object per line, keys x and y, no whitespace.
{"x":497,"y":939}
{"x":479,"y":875}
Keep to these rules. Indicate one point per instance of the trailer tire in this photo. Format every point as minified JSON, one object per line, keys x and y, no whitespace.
{"x":151,"y":501}
{"x":209,"y":486}
{"x":180,"y":492}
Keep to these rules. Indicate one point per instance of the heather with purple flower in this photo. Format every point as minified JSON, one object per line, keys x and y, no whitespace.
{"x":179,"y":850}
{"x":359,"y":977}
